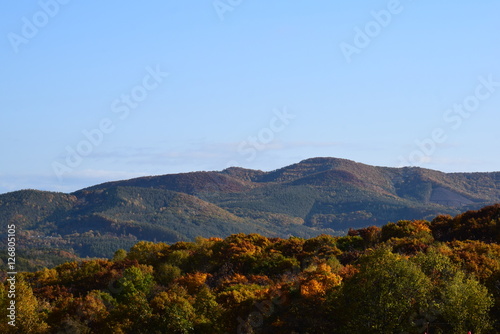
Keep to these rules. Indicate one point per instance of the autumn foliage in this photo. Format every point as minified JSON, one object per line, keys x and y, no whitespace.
{"x":408,"y":276}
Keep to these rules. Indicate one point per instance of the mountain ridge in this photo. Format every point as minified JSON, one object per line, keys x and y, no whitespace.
{"x":313,"y":196}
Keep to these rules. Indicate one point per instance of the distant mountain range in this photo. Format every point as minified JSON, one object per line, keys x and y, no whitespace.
{"x":314,"y":196}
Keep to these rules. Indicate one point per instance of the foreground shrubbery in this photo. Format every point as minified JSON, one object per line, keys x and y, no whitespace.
{"x":409,"y":276}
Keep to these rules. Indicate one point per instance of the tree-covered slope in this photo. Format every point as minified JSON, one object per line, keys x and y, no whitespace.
{"x":439,"y":276}
{"x":304,"y":199}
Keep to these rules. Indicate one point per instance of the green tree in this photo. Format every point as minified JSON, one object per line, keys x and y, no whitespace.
{"x":136,"y":280}
{"x":167,"y":273}
{"x":383,"y":296}
{"x":147,"y":252}
{"x":208,"y":312}
{"x":465,"y":305}
{"x":172,"y":313}
{"x":119,"y":255}
{"x":132,"y":315}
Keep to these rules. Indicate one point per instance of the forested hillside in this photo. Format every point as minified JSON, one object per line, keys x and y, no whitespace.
{"x":439,"y":276}
{"x":315,"y":196}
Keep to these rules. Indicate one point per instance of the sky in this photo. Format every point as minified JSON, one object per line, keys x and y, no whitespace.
{"x":98,"y":91}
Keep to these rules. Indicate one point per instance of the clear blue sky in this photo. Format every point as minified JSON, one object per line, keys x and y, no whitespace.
{"x":353,"y":87}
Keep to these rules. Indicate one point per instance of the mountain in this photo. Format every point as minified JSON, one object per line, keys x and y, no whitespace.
{"x":314,"y":196}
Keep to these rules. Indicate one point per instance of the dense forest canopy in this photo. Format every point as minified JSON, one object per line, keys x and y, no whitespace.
{"x":439,"y":276}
